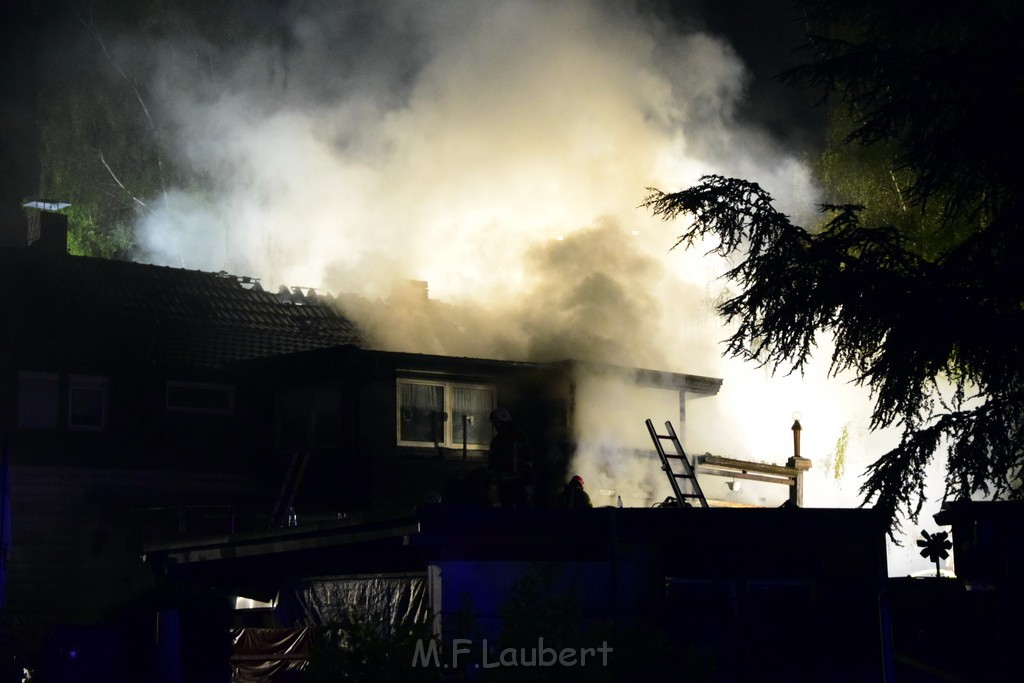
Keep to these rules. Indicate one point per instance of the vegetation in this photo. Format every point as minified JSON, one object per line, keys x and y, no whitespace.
{"x":357,"y":650}
{"x":99,"y":144}
{"x":836,"y":462}
{"x":103,"y":135}
{"x":543,"y":602}
{"x":920,"y":288}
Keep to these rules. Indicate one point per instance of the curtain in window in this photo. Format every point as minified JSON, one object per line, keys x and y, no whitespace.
{"x":476,"y":404}
{"x":423,"y":397}
{"x":422,"y":407}
{"x":471,"y":401}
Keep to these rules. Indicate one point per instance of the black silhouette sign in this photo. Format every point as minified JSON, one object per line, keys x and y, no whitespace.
{"x":935,"y":547}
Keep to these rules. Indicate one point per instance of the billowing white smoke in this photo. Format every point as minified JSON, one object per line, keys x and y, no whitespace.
{"x":497,"y":150}
{"x":470,"y":133}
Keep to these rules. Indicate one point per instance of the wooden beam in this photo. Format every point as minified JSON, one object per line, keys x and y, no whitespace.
{"x":746,"y":466}
{"x":733,"y":474}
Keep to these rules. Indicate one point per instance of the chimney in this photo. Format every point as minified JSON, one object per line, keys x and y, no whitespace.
{"x":48,"y":230}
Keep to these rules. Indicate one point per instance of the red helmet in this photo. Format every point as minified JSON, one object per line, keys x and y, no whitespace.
{"x":577,"y":478}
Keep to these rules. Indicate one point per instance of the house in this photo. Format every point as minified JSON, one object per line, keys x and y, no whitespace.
{"x":393,"y":430}
{"x":119,"y":412}
{"x":144,"y":404}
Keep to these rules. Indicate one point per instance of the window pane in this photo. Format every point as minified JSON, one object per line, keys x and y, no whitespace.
{"x":87,"y":401}
{"x":475,"y":405}
{"x":421,"y":412}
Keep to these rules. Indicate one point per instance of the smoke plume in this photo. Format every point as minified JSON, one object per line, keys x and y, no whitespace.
{"x":497,"y":151}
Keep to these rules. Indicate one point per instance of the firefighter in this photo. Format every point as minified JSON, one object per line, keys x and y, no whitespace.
{"x":573,"y":495}
{"x":509,"y":461}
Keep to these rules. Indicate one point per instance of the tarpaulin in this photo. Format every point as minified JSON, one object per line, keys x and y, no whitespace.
{"x":260,"y":654}
{"x":384,"y":603}
{"x":381,"y":600}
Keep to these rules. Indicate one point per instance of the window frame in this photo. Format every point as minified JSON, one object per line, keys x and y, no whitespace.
{"x":92,"y":383}
{"x":447,"y":393}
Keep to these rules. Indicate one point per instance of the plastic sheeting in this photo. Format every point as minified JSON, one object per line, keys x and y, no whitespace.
{"x":383,"y":601}
{"x":260,"y":655}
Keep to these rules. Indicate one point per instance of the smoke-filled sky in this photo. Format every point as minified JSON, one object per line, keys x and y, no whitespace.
{"x":499,"y":151}
{"x":496,"y":150}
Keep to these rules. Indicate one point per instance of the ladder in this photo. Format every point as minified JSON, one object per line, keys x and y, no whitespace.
{"x":666,"y":465}
{"x":289,"y":487}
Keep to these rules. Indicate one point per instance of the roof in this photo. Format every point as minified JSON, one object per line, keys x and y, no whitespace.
{"x":83,"y":313}
{"x":74,"y":311}
{"x":766,"y":543}
{"x":660,"y":379}
{"x":315,"y":361}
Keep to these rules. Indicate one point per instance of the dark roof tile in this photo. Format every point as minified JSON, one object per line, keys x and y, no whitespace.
{"x":74,"y":310}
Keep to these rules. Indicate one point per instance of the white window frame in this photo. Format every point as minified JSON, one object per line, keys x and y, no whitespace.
{"x":447,"y":386}
{"x":230,"y":390}
{"x":91,"y":383}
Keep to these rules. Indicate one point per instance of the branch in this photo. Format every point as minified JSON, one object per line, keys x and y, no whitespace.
{"x":91,"y":27}
{"x":118,"y":181}
{"x":898,"y":322}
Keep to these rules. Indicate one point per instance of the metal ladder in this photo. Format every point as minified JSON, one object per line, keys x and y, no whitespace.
{"x":687,"y":468}
{"x":289,"y":487}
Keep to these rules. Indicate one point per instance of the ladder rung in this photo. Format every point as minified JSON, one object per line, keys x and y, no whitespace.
{"x":687,"y":468}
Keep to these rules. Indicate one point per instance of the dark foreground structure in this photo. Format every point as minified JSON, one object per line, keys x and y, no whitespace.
{"x":201,"y":480}
{"x":685,"y":594}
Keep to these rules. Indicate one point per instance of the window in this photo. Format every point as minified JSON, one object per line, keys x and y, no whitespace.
{"x":242,"y":602}
{"x":444,"y":413}
{"x":87,"y":402}
{"x":37,"y":400}
{"x":196,"y":397}
{"x":471,"y":413}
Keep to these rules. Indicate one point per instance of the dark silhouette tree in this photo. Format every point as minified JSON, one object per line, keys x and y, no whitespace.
{"x":926,"y":309}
